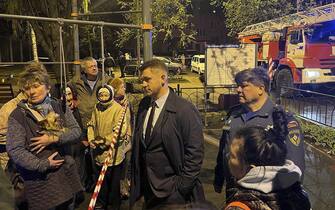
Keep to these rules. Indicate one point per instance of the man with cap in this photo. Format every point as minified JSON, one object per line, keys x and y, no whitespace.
{"x":255,"y":108}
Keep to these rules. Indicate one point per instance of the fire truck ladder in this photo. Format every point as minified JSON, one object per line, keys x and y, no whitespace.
{"x":308,"y":17}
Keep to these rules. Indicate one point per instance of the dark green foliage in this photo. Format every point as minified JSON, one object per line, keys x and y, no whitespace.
{"x":321,"y":135}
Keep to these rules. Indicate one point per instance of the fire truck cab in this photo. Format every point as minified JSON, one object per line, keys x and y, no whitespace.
{"x":300,"y":47}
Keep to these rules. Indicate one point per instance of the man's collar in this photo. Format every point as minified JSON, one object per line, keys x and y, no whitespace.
{"x":161,"y":101}
{"x":266,"y":108}
{"x":84,"y":77}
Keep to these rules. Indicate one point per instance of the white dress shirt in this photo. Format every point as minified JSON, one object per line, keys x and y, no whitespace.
{"x":159,"y":107}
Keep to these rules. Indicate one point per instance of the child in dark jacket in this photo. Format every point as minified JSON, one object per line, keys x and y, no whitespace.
{"x":265,"y":179}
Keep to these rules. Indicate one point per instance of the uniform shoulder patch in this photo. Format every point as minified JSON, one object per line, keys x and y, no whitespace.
{"x":292,"y":124}
{"x":294,"y":132}
{"x":295,"y":138}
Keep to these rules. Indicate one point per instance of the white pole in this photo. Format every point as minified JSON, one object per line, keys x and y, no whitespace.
{"x":33,"y":43}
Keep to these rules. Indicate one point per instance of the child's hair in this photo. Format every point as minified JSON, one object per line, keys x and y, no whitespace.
{"x":265,"y":147}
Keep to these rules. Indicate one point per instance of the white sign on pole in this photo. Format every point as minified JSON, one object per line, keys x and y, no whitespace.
{"x":224,"y":61}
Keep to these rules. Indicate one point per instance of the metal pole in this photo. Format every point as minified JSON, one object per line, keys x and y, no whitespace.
{"x":74,"y":15}
{"x":29,"y":62}
{"x":110,"y":13}
{"x":69,"y":21}
{"x":138,"y":38}
{"x":147,"y":34}
{"x":102,"y":53}
{"x":205,"y":100}
{"x":61,"y":57}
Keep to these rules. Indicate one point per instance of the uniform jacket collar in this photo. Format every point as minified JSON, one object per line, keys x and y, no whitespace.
{"x":265,"y":111}
{"x":267,"y":108}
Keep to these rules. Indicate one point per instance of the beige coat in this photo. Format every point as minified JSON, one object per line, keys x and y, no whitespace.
{"x":5,"y":111}
{"x":103,"y":124}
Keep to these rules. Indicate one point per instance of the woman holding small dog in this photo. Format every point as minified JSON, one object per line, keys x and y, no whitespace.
{"x":39,"y":132}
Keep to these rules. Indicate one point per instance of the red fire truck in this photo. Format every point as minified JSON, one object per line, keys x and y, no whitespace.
{"x":300,"y":46}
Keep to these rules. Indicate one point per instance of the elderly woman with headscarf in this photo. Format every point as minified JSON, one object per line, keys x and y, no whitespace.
{"x":101,"y":129}
{"x":39,"y":131}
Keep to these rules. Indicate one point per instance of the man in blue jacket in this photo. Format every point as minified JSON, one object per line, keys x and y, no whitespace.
{"x":255,"y":109}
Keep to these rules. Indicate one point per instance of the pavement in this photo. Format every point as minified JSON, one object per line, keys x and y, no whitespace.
{"x":319,"y":179}
{"x":206,"y":177}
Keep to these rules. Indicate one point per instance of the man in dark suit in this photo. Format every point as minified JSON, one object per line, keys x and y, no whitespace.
{"x":168,"y":147}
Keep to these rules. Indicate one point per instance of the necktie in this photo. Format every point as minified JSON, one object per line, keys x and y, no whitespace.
{"x":149,"y":125}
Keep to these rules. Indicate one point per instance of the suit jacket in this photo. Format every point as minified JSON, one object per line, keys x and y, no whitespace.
{"x":173,"y":157}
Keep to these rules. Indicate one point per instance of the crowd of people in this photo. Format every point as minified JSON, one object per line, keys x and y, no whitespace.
{"x":53,"y":150}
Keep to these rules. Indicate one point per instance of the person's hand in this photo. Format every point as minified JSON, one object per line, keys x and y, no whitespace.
{"x":40,"y":142}
{"x":125,"y":187}
{"x":110,"y":140}
{"x":85,"y":143}
{"x":92,"y":145}
{"x":55,"y":163}
{"x":99,"y":140}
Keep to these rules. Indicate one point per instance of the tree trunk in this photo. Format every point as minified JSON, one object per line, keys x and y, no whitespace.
{"x":21,"y":50}
{"x":33,"y":43}
{"x":11,"y":48}
{"x":90,"y":46}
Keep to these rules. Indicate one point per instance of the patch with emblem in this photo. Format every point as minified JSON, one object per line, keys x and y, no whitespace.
{"x":292,"y":124}
{"x":295,"y":136}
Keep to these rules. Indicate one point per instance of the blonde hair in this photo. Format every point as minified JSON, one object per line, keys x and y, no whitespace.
{"x":115,"y":83}
{"x":34,"y":72}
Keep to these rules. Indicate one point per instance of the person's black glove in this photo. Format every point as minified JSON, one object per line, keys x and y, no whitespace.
{"x":100,"y":142}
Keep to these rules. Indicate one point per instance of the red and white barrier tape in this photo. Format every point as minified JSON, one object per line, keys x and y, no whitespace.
{"x":106,"y":162}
